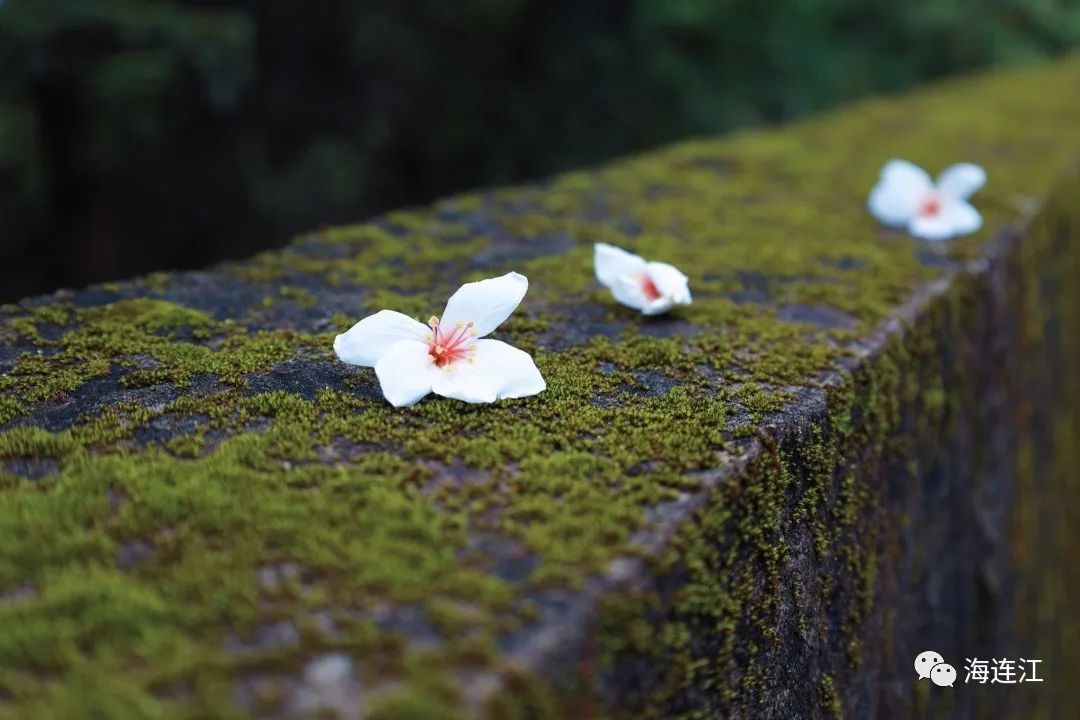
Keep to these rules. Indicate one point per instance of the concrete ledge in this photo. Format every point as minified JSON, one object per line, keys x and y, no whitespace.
{"x":851,"y":448}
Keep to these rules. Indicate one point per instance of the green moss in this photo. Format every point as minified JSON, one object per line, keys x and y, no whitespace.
{"x":132,"y":333}
{"x":1046,"y":535}
{"x":830,"y":701}
{"x":380,"y":508}
{"x":146,"y":315}
{"x":10,"y":408}
{"x":304,"y":298}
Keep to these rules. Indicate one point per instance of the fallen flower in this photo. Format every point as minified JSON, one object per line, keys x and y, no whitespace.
{"x":446,"y":356}
{"x":905,"y":196}
{"x":651,"y":287}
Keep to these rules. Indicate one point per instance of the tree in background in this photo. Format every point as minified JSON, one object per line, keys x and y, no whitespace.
{"x":151,"y":134}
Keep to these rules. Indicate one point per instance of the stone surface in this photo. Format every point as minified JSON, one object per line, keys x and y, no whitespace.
{"x":851,"y":448}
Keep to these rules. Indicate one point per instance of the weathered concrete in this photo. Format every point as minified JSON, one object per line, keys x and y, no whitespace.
{"x":851,"y":448}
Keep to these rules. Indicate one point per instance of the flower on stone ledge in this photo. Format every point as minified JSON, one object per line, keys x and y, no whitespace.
{"x":905,"y":196}
{"x":447,"y":356}
{"x":651,"y":287}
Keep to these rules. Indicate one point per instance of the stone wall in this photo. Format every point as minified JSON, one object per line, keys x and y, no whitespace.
{"x":852,"y":447}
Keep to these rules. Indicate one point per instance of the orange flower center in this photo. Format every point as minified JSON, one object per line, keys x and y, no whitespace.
{"x":446,"y":346}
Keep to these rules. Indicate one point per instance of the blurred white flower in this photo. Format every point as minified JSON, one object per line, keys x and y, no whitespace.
{"x":446,"y":356}
{"x":905,"y":196}
{"x":651,"y":287}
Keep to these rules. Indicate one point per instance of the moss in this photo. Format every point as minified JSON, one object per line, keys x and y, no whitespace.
{"x":10,"y":408}
{"x":179,"y":342}
{"x":1047,"y":453}
{"x":830,"y":700}
{"x":305,"y":298}
{"x":383,"y":510}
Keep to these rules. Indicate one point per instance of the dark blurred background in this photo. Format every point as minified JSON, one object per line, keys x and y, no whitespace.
{"x":138,"y":135}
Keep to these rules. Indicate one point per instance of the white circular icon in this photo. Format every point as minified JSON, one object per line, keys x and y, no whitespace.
{"x":943,"y":674}
{"x":926,"y":661}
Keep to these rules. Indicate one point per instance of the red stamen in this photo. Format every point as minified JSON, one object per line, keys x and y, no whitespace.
{"x":930,"y":207}
{"x":649,"y":289}
{"x":445,"y":348}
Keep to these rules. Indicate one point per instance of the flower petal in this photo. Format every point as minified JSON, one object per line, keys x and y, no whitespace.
{"x":486,"y":303}
{"x":895,"y":200}
{"x":612,"y":264}
{"x":932,"y":227}
{"x":405,"y":372}
{"x":628,"y":291}
{"x":368,"y":340}
{"x":497,"y":371}
{"x":671,"y":283}
{"x":961,"y":181}
{"x":659,"y":306}
{"x":957,"y":217}
{"x":512,"y":371}
{"x":460,"y":381}
{"x":965,"y":218}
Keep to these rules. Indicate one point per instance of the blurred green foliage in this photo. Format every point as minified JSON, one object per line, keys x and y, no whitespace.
{"x":146,"y":134}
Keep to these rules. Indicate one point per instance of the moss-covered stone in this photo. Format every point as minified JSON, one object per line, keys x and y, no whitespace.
{"x":741,"y":508}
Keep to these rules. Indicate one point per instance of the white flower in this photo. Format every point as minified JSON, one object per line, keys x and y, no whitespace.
{"x":651,"y":287}
{"x":445,"y":356}
{"x":905,"y":196}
